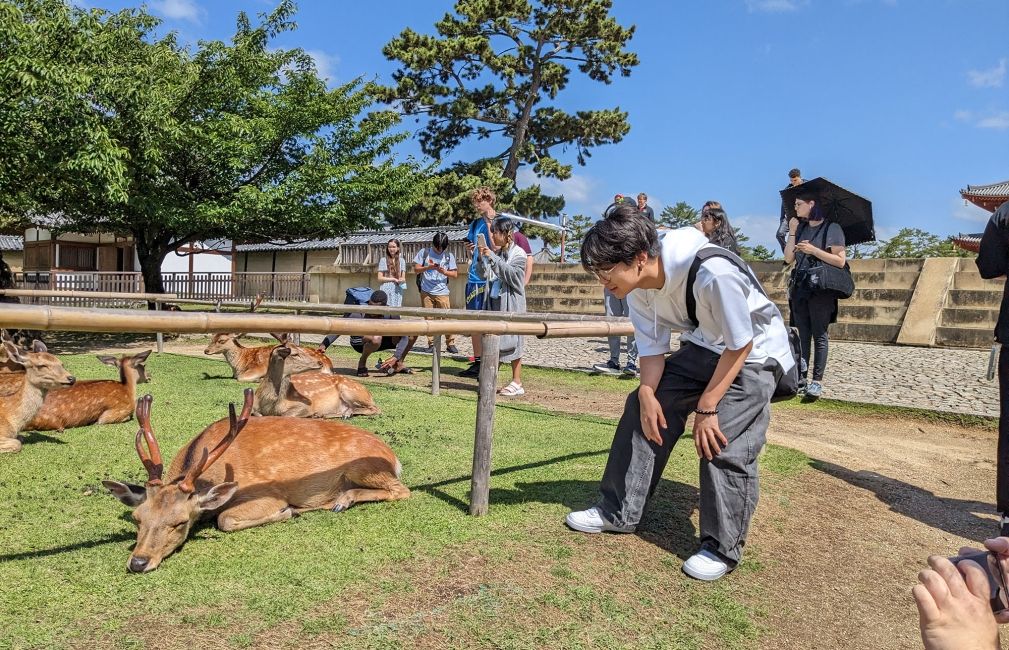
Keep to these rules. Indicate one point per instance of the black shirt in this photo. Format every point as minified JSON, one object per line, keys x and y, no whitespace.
{"x":993,"y":262}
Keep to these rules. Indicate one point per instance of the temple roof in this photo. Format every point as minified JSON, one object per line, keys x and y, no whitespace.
{"x":988,"y":197}
{"x":405,"y":235}
{"x":968,"y":242}
{"x":11,"y":243}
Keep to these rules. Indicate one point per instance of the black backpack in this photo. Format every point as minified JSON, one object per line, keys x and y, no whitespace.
{"x":788,"y":382}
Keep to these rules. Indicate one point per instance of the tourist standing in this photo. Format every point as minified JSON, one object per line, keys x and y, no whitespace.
{"x":392,"y":273}
{"x":436,"y":265}
{"x":715,"y":225}
{"x":725,"y":372}
{"x":480,"y":272}
{"x":993,"y":262}
{"x":794,"y":178}
{"x":811,"y":240}
{"x":507,"y":294}
{"x":644,"y":208}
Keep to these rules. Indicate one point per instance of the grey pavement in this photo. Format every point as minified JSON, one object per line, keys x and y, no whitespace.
{"x":930,"y":378}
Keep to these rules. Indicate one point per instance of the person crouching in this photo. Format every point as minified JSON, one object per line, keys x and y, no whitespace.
{"x":724,"y":372}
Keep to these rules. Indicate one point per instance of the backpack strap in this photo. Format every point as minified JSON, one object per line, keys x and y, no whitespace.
{"x":703,"y":255}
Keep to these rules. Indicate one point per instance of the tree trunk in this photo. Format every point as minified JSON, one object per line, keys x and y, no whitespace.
{"x":151,"y":255}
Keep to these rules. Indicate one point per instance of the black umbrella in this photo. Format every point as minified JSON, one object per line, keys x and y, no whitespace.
{"x":845,"y":208}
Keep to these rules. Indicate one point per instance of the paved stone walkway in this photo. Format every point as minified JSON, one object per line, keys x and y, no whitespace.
{"x":929,"y":378}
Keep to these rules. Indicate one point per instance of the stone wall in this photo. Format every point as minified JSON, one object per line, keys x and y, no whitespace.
{"x":934,"y":302}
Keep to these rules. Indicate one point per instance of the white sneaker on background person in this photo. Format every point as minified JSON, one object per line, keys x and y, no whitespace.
{"x":705,"y":565}
{"x":592,"y":521}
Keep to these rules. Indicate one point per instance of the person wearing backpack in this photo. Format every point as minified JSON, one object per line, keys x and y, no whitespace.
{"x":434,"y":266}
{"x":728,"y":367}
{"x":811,"y":237}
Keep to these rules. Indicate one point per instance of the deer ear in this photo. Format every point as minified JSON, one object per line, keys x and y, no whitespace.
{"x":39,"y":346}
{"x":13,"y":354}
{"x":131,"y":495}
{"x":216,"y":496}
{"x":140,"y":358}
{"x":281,"y":336}
{"x":108,"y":359}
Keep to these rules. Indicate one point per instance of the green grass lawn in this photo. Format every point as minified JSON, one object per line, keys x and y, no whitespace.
{"x":415,"y":573}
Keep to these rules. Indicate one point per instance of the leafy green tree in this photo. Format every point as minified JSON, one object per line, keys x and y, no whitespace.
{"x":680,"y":215}
{"x":52,"y":70}
{"x":758,"y":253}
{"x":236,"y":140}
{"x":913,"y":243}
{"x":577,"y":226}
{"x":494,"y":65}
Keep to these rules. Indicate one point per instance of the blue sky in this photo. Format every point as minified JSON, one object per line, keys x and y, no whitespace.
{"x":902,"y":101}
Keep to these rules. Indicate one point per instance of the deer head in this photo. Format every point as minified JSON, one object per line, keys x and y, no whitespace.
{"x":127,"y":362}
{"x":42,"y":369}
{"x":222,"y":342}
{"x":286,"y":360}
{"x":165,"y":514}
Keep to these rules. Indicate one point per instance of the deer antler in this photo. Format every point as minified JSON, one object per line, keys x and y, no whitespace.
{"x":188,"y":484}
{"x":152,"y":458}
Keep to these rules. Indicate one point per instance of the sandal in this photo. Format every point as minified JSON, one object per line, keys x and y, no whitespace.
{"x":362,"y":371}
{"x":512,"y":390}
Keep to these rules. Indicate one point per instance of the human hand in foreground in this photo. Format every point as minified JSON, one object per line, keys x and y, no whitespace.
{"x":999,"y":546}
{"x":389,"y":363}
{"x":652,"y":418}
{"x":708,"y":437}
{"x":953,"y":609}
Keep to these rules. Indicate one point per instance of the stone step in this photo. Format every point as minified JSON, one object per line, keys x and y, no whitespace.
{"x":864,"y":332}
{"x":963,"y":337}
{"x":967,"y":317}
{"x":534,"y":289}
{"x":878,"y":314}
{"x":974,"y":298}
{"x":973,"y":280}
{"x":563,"y":278}
{"x":566,"y":305}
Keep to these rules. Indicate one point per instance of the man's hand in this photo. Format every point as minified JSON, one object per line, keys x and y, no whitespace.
{"x":1000,"y":548}
{"x":953,"y":610}
{"x":389,"y":363}
{"x":653,"y":421}
{"x":708,"y":438}
{"x":470,"y":246}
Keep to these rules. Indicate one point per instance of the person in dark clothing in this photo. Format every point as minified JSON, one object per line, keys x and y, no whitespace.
{"x":993,"y":262}
{"x":812,"y":238}
{"x":645,"y":209}
{"x":366,"y":345}
{"x":794,"y":178}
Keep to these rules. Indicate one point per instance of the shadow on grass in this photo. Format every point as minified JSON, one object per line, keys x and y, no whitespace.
{"x":85,"y":342}
{"x":954,"y":516}
{"x":35,"y":438}
{"x":69,"y":548}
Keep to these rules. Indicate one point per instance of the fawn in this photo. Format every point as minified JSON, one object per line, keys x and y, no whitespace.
{"x":43,"y":372}
{"x":289,"y":388}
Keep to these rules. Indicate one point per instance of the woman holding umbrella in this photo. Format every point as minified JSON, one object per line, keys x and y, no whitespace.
{"x":812,"y":240}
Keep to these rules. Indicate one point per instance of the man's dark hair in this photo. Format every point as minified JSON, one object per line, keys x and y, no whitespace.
{"x":378,"y":298}
{"x":440,"y":241}
{"x":503,"y":225}
{"x":619,"y":238}
{"x":794,"y":173}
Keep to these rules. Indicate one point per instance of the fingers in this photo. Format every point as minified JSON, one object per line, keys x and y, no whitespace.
{"x":937,"y":587}
{"x":998,"y":545}
{"x":662,"y":419}
{"x":928,"y":611}
{"x":975,"y":578}
{"x":950,"y":575}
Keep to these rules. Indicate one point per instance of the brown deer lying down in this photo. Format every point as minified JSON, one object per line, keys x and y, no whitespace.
{"x":94,"y":401}
{"x":290,"y":389}
{"x":249,"y":364}
{"x":43,"y":372}
{"x":277,"y":469}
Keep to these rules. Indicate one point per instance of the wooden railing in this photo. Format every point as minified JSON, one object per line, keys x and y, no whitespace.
{"x":272,"y":286}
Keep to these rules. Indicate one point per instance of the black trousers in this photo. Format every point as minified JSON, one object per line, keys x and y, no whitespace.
{"x":1002,"y":467}
{"x":811,"y":314}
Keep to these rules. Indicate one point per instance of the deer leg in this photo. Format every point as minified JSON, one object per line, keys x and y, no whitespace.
{"x":254,"y":513}
{"x":10,"y":445}
{"x":378,"y":488}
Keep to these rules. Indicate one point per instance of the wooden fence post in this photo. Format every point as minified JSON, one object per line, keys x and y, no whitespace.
{"x":161,"y":338}
{"x":479,"y":496}
{"x":436,"y":366}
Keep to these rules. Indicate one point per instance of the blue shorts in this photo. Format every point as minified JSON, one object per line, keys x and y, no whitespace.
{"x":476,"y":295}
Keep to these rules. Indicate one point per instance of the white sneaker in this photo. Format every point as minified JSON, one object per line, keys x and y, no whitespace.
{"x":592,"y":521}
{"x":705,"y":565}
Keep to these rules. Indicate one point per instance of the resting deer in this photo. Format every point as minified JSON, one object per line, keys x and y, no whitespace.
{"x":94,"y":401}
{"x":277,"y":469}
{"x":250,"y":364}
{"x":43,"y":372}
{"x":289,"y":388}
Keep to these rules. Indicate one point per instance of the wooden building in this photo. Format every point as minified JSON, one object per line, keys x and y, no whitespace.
{"x":986,"y":197}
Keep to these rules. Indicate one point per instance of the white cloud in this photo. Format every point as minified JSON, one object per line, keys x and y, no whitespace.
{"x":967,"y":211}
{"x":575,"y":189}
{"x":998,"y":120}
{"x":992,"y":78}
{"x":760,"y":229}
{"x":774,"y":6}
{"x":179,"y":10}
{"x":325,"y":64}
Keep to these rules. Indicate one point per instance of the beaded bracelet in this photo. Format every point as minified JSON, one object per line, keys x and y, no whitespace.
{"x":700,"y":412}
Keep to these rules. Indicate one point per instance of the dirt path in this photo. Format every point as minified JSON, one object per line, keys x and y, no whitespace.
{"x":841,"y":543}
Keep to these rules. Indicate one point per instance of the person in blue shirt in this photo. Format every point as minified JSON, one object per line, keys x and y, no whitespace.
{"x":480,"y":274}
{"x":435,"y":265}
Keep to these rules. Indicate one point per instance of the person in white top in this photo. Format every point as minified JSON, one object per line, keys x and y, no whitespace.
{"x":725,"y":372}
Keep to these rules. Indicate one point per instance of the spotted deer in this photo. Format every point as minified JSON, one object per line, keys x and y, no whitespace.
{"x":292,"y":388}
{"x":250,"y":364}
{"x":43,"y":372}
{"x":276,"y":469}
{"x":94,"y":401}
